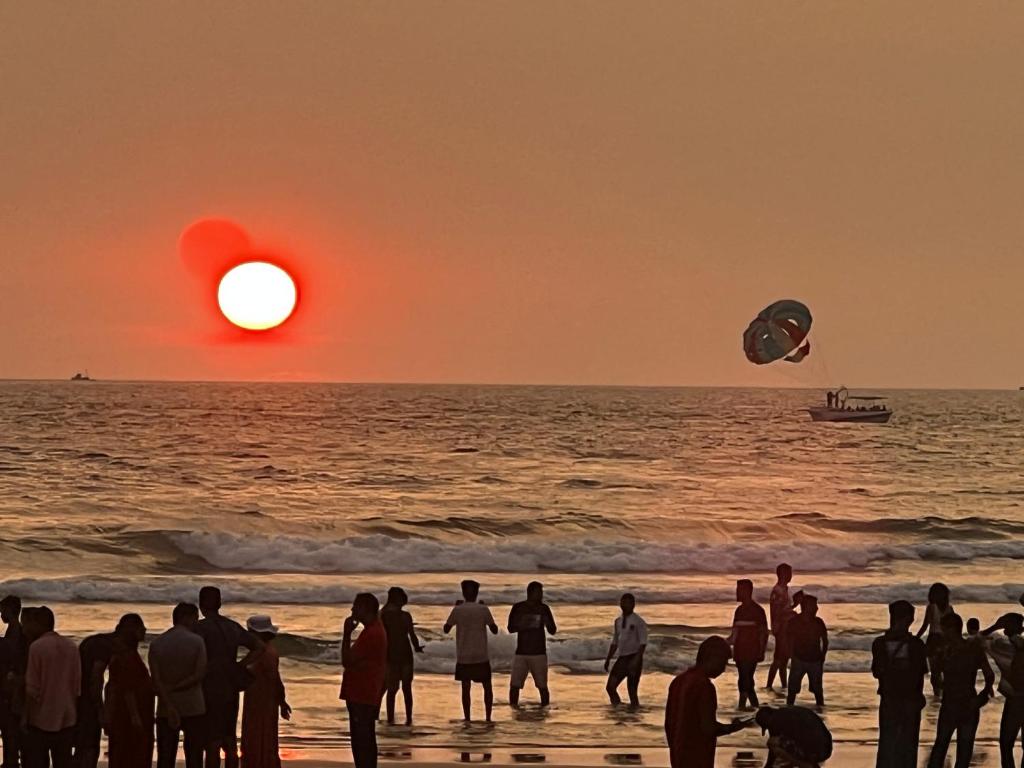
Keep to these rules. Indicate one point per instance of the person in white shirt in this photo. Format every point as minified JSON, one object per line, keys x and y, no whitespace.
{"x":471,"y":620}
{"x":629,"y":640}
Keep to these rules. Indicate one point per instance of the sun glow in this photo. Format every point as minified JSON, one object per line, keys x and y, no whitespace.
{"x":257,"y":295}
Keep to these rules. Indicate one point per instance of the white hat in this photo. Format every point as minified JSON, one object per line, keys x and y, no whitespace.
{"x":261,"y":623}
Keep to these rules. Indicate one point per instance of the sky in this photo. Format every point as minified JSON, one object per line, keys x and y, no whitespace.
{"x":518,"y":192}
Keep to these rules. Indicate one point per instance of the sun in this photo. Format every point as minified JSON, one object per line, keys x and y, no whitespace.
{"x":257,"y":295}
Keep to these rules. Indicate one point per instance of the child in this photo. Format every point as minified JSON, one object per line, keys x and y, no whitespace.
{"x":938,"y":607}
{"x":781,"y":611}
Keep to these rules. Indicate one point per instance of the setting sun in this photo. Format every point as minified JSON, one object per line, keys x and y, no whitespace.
{"x":257,"y":296}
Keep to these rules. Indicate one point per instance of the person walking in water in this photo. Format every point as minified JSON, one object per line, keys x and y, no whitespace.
{"x":264,"y":701}
{"x":961,"y":704}
{"x":629,"y":641}
{"x":808,"y":637}
{"x":1009,"y":655}
{"x":402,"y":641}
{"x":899,"y":663}
{"x":130,"y":699}
{"x":530,"y":620}
{"x":691,"y":723}
{"x":938,"y":607}
{"x":472,"y":620}
{"x":781,"y":611}
{"x":362,"y":685}
{"x":749,"y":639}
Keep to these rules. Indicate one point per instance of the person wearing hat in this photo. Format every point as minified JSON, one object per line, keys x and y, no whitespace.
{"x":691,"y":725}
{"x":263,"y":701}
{"x":796,"y":736}
{"x":1009,"y":657}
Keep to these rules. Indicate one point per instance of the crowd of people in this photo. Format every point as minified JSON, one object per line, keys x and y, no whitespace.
{"x":57,"y":697}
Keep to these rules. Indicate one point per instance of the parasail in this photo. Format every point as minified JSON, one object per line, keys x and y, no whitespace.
{"x":779,"y":332}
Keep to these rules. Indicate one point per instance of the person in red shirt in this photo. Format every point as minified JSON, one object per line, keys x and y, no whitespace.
{"x":691,"y":725}
{"x":362,"y":686}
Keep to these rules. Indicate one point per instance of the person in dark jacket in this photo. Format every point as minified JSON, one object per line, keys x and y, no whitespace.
{"x":899,"y":663}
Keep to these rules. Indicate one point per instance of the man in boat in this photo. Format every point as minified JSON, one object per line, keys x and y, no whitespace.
{"x":830,"y":398}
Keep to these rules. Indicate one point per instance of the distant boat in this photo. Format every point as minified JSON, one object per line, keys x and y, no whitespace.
{"x":81,"y":376}
{"x":866,"y":409}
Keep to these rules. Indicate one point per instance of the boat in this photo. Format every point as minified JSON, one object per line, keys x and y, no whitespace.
{"x":81,"y":376}
{"x":853,"y":409}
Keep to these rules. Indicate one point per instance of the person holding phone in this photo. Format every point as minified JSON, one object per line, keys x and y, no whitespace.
{"x":365,"y":662}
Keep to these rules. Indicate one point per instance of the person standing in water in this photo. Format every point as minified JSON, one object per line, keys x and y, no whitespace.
{"x":532,"y":621}
{"x":781,"y":610}
{"x":749,"y":639}
{"x":629,"y":641}
{"x":264,"y":701}
{"x":365,"y":662}
{"x":809,"y":645}
{"x":472,"y":620}
{"x":1009,"y":656}
{"x":938,"y":607}
{"x":402,"y":641}
{"x":899,"y":662}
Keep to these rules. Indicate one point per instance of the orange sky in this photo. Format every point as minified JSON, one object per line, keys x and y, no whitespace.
{"x":573,"y":192}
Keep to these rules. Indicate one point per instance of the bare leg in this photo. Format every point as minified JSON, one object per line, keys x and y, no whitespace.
{"x":466,"y":688}
{"x":545,"y":697}
{"x":390,"y":704}
{"x":513,"y":697}
{"x":488,"y":699}
{"x":407,"y":695}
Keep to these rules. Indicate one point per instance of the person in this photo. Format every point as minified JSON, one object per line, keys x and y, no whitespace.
{"x":796,"y":736}
{"x":53,"y":681}
{"x":830,"y":398}
{"x":749,"y":639}
{"x":130,"y":699}
{"x":808,"y":638}
{"x":961,"y":703}
{"x":973,"y":629}
{"x":402,"y":641}
{"x":94,"y":653}
{"x":12,"y":687}
{"x":225,"y":678}
{"x":781,"y":611}
{"x":177,"y":664}
{"x":471,"y":620}
{"x":691,"y":724}
{"x":365,"y":662}
{"x":1009,"y":656}
{"x":938,"y":607}
{"x":629,"y":641}
{"x":263,"y":701}
{"x":531,"y":620}
{"x":899,"y":663}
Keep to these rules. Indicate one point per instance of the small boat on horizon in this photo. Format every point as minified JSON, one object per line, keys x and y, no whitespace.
{"x":866,"y":409}
{"x":81,"y":376}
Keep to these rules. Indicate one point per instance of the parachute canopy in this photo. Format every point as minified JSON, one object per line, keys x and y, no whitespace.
{"x":779,"y":332}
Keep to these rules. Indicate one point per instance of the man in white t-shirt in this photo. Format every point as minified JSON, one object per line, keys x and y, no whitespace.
{"x":629,"y":640}
{"x":471,"y":620}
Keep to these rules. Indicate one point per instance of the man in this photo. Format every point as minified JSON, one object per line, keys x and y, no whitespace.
{"x":530,"y":620}
{"x":177,"y":663}
{"x":899,"y":663}
{"x":12,"y":687}
{"x":94,"y":653}
{"x":1010,"y":658}
{"x":781,"y":611}
{"x":691,"y":725}
{"x":472,"y":620}
{"x":796,"y":736}
{"x":401,"y":642}
{"x":629,"y":641}
{"x":365,"y":663}
{"x":749,"y":639}
{"x":225,"y":677}
{"x":53,"y":682}
{"x":808,"y":638}
{"x":961,"y":705}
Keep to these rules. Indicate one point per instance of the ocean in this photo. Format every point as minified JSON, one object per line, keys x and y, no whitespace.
{"x":293,"y":497}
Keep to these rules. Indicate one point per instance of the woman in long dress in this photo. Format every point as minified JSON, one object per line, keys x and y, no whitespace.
{"x":129,"y":699}
{"x":264,"y":701}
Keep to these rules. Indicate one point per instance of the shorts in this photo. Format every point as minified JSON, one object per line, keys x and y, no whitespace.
{"x":480,"y":672}
{"x":534,"y":665}
{"x":399,"y":672}
{"x":782,"y":650}
{"x":812,"y":669}
{"x":625,"y":668}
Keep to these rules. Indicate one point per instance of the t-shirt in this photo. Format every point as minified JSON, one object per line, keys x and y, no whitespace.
{"x":223,"y":637}
{"x":934,"y":616}
{"x":749,"y":625}
{"x":629,"y":634}
{"x":899,"y":663}
{"x":530,"y":621}
{"x":692,"y":700}
{"x":53,"y":681}
{"x":961,"y":663}
{"x":471,"y":621}
{"x":363,"y":680}
{"x":781,"y":607}
{"x":802,"y":731}
{"x":174,"y":656}
{"x":94,"y":650}
{"x":398,"y":624}
{"x":806,"y":634}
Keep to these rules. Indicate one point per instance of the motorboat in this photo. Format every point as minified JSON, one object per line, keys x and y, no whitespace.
{"x":854,"y":409}
{"x":81,"y":376}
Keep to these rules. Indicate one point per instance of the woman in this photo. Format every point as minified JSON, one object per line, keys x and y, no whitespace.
{"x":129,"y":699}
{"x":264,"y":699}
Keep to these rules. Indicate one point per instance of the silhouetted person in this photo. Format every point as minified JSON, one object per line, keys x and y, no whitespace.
{"x":94,"y":653}
{"x":795,"y":735}
{"x":130,"y":699}
{"x":899,"y":663}
{"x":749,"y":639}
{"x":1011,"y":683}
{"x":973,"y":629}
{"x":177,"y":664}
{"x":53,"y":681}
{"x":808,"y":637}
{"x":12,"y":686}
{"x":830,"y":398}
{"x":961,"y":703}
{"x":401,"y":642}
{"x":781,"y":611}
{"x":471,"y":620}
{"x":264,"y":702}
{"x":226,"y":677}
{"x":531,"y":620}
{"x":938,"y":607}
{"x":362,"y":685}
{"x":629,"y":641}
{"x":691,"y":723}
